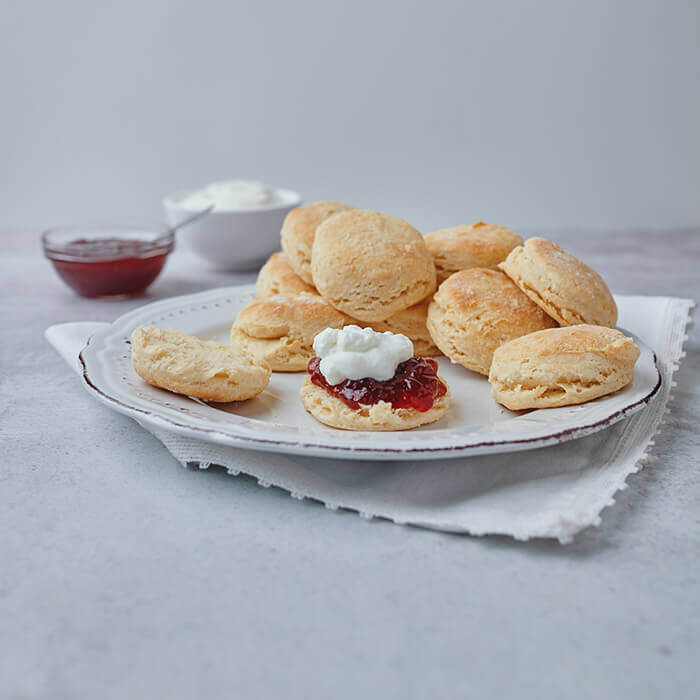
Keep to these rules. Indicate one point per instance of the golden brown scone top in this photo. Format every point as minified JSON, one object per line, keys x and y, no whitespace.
{"x":371,"y":265}
{"x":564,"y":286}
{"x":572,"y":340}
{"x":298,"y":231}
{"x":475,"y":311}
{"x":276,"y":276}
{"x":490,"y":294}
{"x":474,"y":245}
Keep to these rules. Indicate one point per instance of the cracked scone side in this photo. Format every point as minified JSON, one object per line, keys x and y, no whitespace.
{"x":565,"y":287}
{"x":298,"y":231}
{"x":371,"y":265}
{"x":464,"y":247}
{"x":475,"y":311}
{"x":562,"y":367}
{"x":279,"y":330}
{"x":186,"y":365}
{"x":330,"y":410}
{"x":276,"y":276}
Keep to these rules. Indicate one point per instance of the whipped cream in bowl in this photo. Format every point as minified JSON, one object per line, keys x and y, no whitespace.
{"x":359,"y":353}
{"x":243,"y":227}
{"x":233,"y":195}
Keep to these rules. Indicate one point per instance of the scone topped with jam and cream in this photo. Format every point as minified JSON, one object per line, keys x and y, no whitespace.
{"x":364,"y":380}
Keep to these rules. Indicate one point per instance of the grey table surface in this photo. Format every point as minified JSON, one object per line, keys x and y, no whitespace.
{"x":123,"y":575}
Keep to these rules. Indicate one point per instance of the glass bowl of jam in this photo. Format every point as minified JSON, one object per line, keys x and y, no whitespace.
{"x":108,"y":262}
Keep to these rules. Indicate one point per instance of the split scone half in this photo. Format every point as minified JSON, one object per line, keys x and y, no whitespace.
{"x":330,"y":410}
{"x":279,"y":330}
{"x":562,"y":367}
{"x":187,"y":365}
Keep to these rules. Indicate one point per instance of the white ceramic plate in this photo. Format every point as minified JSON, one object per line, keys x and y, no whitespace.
{"x":275,"y":420}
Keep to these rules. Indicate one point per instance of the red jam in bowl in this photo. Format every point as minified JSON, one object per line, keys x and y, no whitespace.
{"x":108,"y":263}
{"x":415,"y":385}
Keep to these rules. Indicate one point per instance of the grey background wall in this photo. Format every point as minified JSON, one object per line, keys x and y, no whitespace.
{"x":538,"y":115}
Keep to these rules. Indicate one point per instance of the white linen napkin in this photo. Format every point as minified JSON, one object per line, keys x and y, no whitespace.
{"x":549,"y":492}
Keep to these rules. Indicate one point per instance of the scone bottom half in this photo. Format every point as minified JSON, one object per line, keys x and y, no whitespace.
{"x":372,"y":405}
{"x":562,"y":367}
{"x":186,"y":365}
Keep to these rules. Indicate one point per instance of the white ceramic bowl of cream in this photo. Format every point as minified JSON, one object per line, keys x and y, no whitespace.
{"x":241,"y":230}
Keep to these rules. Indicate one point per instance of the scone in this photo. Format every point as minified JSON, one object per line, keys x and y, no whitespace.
{"x":330,"y":410}
{"x":298,"y":232}
{"x":475,"y":311}
{"x":463,"y":247}
{"x":279,"y":330}
{"x":186,"y":365}
{"x":566,"y":288}
{"x":371,"y":265}
{"x":562,"y":366}
{"x":411,"y":322}
{"x":276,"y":276}
{"x":362,"y":379}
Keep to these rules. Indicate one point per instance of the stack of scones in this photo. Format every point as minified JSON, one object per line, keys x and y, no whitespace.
{"x":538,"y":322}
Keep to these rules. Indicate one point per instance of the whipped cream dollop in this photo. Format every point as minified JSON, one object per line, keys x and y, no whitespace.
{"x":231,"y":195}
{"x":356,"y":353}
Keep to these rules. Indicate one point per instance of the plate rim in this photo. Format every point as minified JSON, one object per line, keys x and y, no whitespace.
{"x":306,"y":447}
